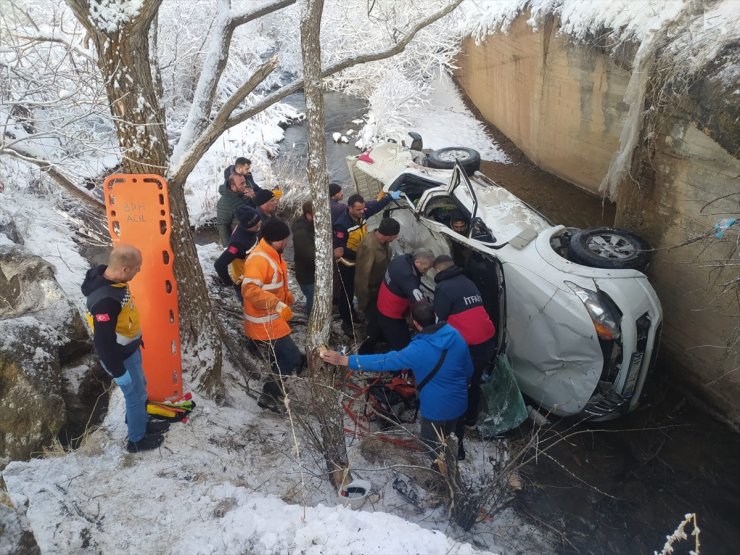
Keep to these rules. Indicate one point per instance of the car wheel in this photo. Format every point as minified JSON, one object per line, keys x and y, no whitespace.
{"x":444,"y":159}
{"x":609,"y":248}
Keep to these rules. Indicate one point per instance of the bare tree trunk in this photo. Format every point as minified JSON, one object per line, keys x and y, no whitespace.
{"x":326,"y":395}
{"x":123,"y":58}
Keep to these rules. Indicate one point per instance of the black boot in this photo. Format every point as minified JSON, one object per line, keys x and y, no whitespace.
{"x":272,"y":396}
{"x":154,"y":427}
{"x":147,"y":443}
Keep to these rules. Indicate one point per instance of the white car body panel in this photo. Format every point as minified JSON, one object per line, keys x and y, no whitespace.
{"x":551,"y":340}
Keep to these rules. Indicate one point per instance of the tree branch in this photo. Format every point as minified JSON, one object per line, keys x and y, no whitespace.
{"x":57,"y":176}
{"x":214,"y":66}
{"x":70,"y":47}
{"x":206,"y":139}
{"x":180,"y":171}
{"x":344,"y":64}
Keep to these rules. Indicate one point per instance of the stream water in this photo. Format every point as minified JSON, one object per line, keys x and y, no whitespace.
{"x":616,"y":488}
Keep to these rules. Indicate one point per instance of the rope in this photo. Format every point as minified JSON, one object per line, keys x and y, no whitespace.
{"x":362,"y":427}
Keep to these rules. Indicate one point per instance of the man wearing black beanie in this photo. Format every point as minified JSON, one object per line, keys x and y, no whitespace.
{"x":267,"y":311}
{"x":230,"y":265}
{"x":266,"y":203}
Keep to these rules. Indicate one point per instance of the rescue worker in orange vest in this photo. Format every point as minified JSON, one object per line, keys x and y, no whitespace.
{"x":267,"y":311}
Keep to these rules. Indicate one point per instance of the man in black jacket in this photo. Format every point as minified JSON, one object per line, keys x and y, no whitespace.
{"x":350,"y":229}
{"x":242,"y":166}
{"x":117,"y":337}
{"x":401,"y":288}
{"x":458,"y":300}
{"x":230,"y":265}
{"x":304,"y":253}
{"x":266,"y":203}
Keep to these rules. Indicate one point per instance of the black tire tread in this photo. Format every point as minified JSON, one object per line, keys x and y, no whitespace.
{"x":580,"y":253}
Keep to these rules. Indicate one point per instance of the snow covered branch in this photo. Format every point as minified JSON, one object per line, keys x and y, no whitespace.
{"x":180,"y":171}
{"x":56,"y":175}
{"x":213,"y":68}
{"x":297,"y":85}
{"x":200,"y":145}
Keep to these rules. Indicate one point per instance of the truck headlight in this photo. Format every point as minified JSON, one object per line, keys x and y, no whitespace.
{"x":604,"y":314}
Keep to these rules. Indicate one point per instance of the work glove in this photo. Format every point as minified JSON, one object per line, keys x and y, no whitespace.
{"x":291,"y":299}
{"x":395,"y":195}
{"x":284,"y":311}
{"x":124,"y":380}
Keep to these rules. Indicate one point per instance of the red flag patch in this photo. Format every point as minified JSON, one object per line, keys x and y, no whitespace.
{"x":233,"y":250}
{"x":102,"y":318}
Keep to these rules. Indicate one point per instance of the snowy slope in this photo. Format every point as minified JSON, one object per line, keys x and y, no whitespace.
{"x":208,"y":490}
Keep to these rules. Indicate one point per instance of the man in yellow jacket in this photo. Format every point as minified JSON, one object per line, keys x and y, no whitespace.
{"x":267,"y":311}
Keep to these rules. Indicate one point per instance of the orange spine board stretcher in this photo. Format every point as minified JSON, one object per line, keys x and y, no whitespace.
{"x":138,"y":211}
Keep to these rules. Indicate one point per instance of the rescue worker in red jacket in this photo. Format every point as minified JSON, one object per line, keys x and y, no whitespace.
{"x":400,"y":289}
{"x":267,"y":311}
{"x":458,"y":301}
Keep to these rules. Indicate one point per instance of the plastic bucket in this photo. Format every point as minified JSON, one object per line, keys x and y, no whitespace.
{"x":353,"y":495}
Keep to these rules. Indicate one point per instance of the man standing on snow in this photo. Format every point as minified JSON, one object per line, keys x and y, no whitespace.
{"x":441,"y":364}
{"x":350,"y":229}
{"x":267,"y":311}
{"x":373,"y":258}
{"x":304,"y":253}
{"x":458,"y":301}
{"x":117,"y":337}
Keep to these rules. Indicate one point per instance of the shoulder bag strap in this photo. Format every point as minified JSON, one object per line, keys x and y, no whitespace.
{"x":431,"y":374}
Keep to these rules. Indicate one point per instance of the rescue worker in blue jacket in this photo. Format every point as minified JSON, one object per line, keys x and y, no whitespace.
{"x":230,"y":265}
{"x":112,"y":314}
{"x":349,"y":230}
{"x":441,"y":363}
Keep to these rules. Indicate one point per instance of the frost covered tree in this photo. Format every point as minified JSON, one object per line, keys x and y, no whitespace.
{"x":324,"y":381}
{"x":115,"y":68}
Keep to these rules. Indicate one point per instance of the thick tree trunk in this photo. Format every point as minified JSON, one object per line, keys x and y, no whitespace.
{"x":123,"y":58}
{"x":324,"y":386}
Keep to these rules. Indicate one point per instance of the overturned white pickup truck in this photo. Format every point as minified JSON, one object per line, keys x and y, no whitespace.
{"x":578,"y":320}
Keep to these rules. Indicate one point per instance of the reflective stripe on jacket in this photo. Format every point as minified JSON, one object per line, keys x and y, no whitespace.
{"x":264,"y":285}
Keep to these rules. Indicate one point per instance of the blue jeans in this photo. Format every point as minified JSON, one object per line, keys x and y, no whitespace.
{"x":307,"y":289}
{"x":133,"y":386}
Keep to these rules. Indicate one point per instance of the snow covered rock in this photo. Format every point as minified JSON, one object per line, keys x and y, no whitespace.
{"x":40,"y":332}
{"x":15,"y":533}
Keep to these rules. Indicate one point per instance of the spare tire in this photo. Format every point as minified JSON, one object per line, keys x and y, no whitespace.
{"x":609,"y":248}
{"x":444,"y":159}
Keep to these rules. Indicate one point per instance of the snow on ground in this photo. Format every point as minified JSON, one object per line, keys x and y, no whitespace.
{"x":446,"y":121}
{"x":440,"y":117}
{"x":209,"y":489}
